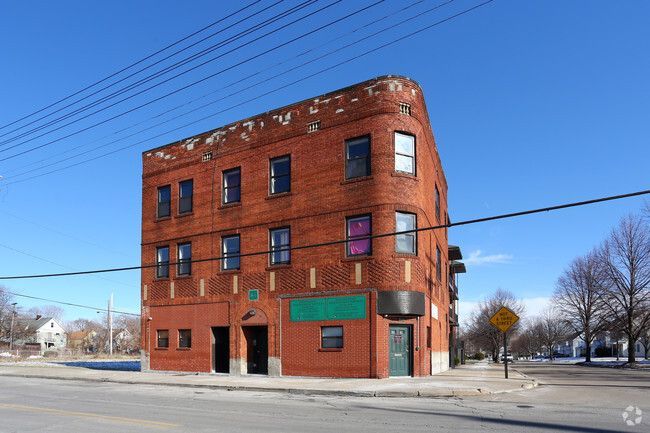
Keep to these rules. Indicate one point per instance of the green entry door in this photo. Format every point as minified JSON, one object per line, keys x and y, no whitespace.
{"x":400,"y":350}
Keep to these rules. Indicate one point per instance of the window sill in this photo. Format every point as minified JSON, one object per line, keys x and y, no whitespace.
{"x":161,"y":348}
{"x":165,"y":218}
{"x":230,"y":205}
{"x":397,"y":255}
{"x":185,"y":214}
{"x":278,"y":266}
{"x":278,"y":195}
{"x":357,"y":179}
{"x":183,"y":277}
{"x":359,"y":258}
{"x":229,"y":271}
{"x":331,"y":349}
{"x":161,"y":279}
{"x":405,"y":175}
{"x":183,"y":348}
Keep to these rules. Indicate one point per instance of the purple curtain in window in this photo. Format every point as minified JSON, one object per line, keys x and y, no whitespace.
{"x":359,"y":228}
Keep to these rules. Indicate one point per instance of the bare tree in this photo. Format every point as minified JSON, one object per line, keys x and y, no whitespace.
{"x":6,"y":311}
{"x":552,"y":329}
{"x":644,"y":339}
{"x":528,"y":342}
{"x":625,"y":257}
{"x":48,"y":311}
{"x":481,"y":333}
{"x":579,"y":299}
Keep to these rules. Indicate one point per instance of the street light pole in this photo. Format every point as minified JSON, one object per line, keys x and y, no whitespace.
{"x":11,"y":329}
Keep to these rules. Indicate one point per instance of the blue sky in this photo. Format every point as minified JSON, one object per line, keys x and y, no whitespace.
{"x":532,"y":104}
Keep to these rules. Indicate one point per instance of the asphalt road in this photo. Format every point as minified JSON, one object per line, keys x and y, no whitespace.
{"x":571,"y":399}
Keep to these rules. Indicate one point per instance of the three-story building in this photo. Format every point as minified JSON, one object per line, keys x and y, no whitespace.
{"x":224,"y":215}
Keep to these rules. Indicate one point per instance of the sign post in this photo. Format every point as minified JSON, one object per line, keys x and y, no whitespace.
{"x":503,"y":320}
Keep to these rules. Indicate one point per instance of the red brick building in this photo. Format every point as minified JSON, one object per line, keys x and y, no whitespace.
{"x":357,"y":161}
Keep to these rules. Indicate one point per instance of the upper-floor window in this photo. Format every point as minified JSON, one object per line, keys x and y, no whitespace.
{"x":162,"y":262}
{"x":357,"y":157}
{"x":438,"y":264}
{"x":185,"y":193}
{"x":231,"y":186}
{"x":184,"y":259}
{"x":359,"y":227}
{"x":404,"y":153}
{"x":280,"y":175}
{"x":164,"y":201}
{"x":437,"y":198}
{"x":280,"y":246}
{"x":230,"y":252}
{"x":406,"y":242}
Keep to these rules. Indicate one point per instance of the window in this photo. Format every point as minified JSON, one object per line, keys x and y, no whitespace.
{"x":438,"y":265}
{"x":162,"y":262}
{"x":359,"y":227}
{"x":280,"y":244}
{"x":207,"y":156}
{"x":407,"y":242}
{"x":357,"y":157}
{"x":185,"y":259}
{"x":331,"y":337}
{"x":164,"y":201}
{"x":185,"y":196}
{"x":404,"y":153}
{"x":405,"y":108}
{"x":281,"y":174}
{"x":313,"y":126}
{"x":231,"y":186}
{"x":437,"y":192}
{"x":229,"y":248}
{"x":163,"y":338}
{"x":185,"y":338}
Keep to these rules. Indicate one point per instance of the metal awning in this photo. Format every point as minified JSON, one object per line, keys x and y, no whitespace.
{"x":454,"y":252}
{"x":457,"y":267}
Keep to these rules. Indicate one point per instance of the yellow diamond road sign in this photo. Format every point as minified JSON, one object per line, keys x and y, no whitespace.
{"x":504,"y":319}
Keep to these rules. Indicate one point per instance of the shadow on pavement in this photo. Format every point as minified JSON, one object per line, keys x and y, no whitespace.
{"x":512,"y":422}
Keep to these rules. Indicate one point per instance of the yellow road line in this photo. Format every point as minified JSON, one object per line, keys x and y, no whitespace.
{"x":117,"y":419}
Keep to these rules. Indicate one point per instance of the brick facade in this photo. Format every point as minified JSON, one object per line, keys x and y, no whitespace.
{"x":315,"y":209}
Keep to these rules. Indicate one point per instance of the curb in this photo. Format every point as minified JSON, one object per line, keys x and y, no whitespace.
{"x":419,"y":393}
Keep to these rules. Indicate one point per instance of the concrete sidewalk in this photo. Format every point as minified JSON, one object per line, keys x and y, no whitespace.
{"x":470,"y":380}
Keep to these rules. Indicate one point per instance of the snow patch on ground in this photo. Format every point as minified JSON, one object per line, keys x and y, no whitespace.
{"x":105,"y":365}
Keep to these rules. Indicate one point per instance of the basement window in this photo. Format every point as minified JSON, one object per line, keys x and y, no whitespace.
{"x":331,"y":337}
{"x":313,"y":126}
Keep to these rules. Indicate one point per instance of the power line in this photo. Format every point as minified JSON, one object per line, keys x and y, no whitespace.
{"x":155,"y":75}
{"x":132,"y":64}
{"x":71,"y":304}
{"x":342,"y":241}
{"x":281,"y":45}
{"x":248,"y":87}
{"x":277,"y":89}
{"x":25,"y":253}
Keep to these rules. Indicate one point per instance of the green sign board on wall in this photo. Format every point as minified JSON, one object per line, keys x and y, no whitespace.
{"x":253,"y":295}
{"x":334,"y":308}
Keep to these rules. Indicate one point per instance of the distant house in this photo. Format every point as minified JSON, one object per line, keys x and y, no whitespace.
{"x":44,"y":331}
{"x":83,"y":341}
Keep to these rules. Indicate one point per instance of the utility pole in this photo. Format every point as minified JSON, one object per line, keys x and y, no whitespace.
{"x":110,"y":325}
{"x":11,"y":329}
